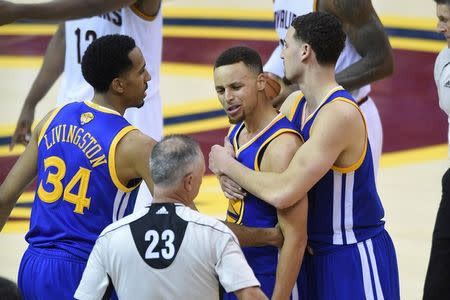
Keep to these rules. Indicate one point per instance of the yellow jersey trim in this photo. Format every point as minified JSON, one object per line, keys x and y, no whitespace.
{"x":47,"y":123}
{"x":112,"y":160}
{"x":101,"y":108}
{"x":359,"y":162}
{"x":271,"y":138}
{"x":246,"y":145}
{"x":230,"y":129}
{"x":235,"y":142}
{"x":295,"y":106}
{"x":240,"y":203}
{"x":141,"y":14}
{"x":305,"y":118}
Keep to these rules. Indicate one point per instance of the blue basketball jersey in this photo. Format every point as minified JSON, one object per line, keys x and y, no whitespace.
{"x":78,"y":192}
{"x":344,"y":206}
{"x":252,"y":211}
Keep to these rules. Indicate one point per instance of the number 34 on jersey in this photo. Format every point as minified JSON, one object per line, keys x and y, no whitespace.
{"x":56,"y":173}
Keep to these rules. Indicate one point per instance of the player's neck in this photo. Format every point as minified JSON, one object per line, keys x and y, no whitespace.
{"x":317,"y":86}
{"x":260,"y":117}
{"x":107,"y":101}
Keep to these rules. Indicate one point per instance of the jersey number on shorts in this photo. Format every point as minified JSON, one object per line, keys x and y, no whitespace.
{"x":89,"y":37}
{"x":82,"y":177}
{"x":152,"y":236}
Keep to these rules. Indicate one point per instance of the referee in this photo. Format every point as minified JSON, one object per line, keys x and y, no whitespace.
{"x":168,"y":250}
{"x":437,"y":281}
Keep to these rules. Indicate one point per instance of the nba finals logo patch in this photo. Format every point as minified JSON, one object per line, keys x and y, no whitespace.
{"x":86,"y":118}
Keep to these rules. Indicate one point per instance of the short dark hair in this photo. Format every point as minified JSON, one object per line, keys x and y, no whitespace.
{"x":171,"y":158}
{"x":323,"y":32}
{"x":238,"y":54}
{"x":442,"y":2}
{"x":105,"y":59}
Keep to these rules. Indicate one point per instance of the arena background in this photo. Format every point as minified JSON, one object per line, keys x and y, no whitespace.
{"x":195,"y":32}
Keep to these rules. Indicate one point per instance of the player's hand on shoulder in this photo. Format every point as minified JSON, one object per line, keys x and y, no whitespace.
{"x":288,"y":103}
{"x":231,"y":189}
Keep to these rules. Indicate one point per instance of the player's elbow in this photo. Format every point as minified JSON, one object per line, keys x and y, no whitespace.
{"x":297,"y":239}
{"x":383,"y":63}
{"x":282,"y":199}
{"x":388,"y":65}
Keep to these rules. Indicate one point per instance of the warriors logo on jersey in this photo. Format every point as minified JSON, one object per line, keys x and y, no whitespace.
{"x":86,"y":118}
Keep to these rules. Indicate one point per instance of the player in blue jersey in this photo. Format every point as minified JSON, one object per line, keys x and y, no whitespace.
{"x":263,"y":140}
{"x":89,"y":162}
{"x":350,"y":255}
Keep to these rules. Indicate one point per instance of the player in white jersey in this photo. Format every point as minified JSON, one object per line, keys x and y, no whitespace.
{"x":438,"y":274}
{"x":367,"y":55}
{"x":168,"y":250}
{"x":141,"y":20}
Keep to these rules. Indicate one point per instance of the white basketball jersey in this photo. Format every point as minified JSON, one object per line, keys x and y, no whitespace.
{"x":147,"y":32}
{"x":284,"y":12}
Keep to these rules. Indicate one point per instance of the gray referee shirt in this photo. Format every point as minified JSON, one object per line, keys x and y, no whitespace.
{"x":442,"y":79}
{"x":166,"y":251}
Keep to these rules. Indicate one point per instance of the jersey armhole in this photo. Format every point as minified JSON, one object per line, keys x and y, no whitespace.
{"x":262,"y":149}
{"x":112,"y":160}
{"x":143,"y":15}
{"x":359,"y":162}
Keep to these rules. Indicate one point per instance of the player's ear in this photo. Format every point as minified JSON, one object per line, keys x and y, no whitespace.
{"x":187,"y":181}
{"x":117,"y":85}
{"x":305,"y":51}
{"x":261,"y":81}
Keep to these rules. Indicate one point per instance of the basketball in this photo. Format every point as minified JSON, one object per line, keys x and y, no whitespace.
{"x":272,"y":88}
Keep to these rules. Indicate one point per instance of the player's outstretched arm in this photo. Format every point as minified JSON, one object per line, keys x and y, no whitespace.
{"x":20,"y":176}
{"x":310,"y":163}
{"x":69,"y":9}
{"x":256,"y":236}
{"x":51,"y":69}
{"x":366,"y":33}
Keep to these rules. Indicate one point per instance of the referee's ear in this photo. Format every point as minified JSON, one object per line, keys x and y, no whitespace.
{"x":188,"y":182}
